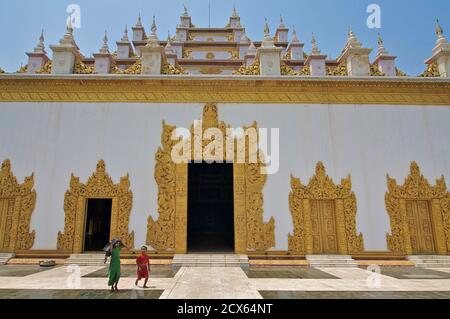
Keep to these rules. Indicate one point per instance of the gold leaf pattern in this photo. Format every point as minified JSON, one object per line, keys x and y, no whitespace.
{"x":417,"y":187}
{"x":322,"y":187}
{"x":20,"y":202}
{"x":169,"y":232}
{"x":99,"y":185}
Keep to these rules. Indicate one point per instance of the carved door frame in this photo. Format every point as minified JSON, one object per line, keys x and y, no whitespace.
{"x":169,"y":232}
{"x":22,"y":201}
{"x":416,"y":187}
{"x":322,"y":187}
{"x":98,"y":186}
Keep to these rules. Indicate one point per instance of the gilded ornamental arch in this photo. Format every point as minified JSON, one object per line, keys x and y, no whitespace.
{"x":169,"y":231}
{"x":17,"y":202}
{"x":336,"y":201}
{"x":99,"y":185}
{"x":417,"y":198}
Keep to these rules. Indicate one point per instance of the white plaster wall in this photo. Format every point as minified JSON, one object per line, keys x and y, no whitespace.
{"x":54,"y":140}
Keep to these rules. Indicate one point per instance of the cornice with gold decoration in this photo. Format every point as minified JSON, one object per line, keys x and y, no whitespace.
{"x":224,"y":89}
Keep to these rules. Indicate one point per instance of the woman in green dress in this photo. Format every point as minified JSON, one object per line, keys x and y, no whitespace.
{"x":114,"y":266}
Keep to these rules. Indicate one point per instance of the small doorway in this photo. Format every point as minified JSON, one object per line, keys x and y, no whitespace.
{"x":98,"y":224}
{"x":420,"y":227}
{"x":323,"y":220}
{"x":210,"y":207}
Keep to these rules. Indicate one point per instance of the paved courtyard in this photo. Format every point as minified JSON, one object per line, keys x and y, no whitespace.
{"x":87,"y":282}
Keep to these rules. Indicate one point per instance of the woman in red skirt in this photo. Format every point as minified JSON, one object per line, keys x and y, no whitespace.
{"x":143,"y":266}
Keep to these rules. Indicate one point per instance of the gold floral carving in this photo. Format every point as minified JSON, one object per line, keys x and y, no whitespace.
{"x":253,"y":69}
{"x":191,"y":89}
{"x":99,"y":185}
{"x":322,"y":187}
{"x":306,"y":70}
{"x":399,"y":72}
{"x":46,"y":68}
{"x":170,"y":69}
{"x":81,"y":68}
{"x":23,"y":69}
{"x":17,"y":202}
{"x":169,"y":232}
{"x":340,"y":70}
{"x":374,"y":71}
{"x":432,"y":71}
{"x":286,"y":70}
{"x":416,"y":187}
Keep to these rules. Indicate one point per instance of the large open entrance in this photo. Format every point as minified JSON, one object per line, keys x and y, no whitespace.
{"x":98,"y":224}
{"x":210,"y":207}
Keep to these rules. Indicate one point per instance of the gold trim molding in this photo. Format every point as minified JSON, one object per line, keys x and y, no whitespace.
{"x":169,"y":232}
{"x":322,"y":187}
{"x":99,"y":185}
{"x":417,"y":187}
{"x":17,"y":202}
{"x":223,"y":89}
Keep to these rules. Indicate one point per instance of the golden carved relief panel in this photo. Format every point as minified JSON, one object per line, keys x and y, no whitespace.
{"x":17,"y":202}
{"x":145,"y":89}
{"x":323,"y":209}
{"x":99,"y":185}
{"x":169,"y":232}
{"x":419,"y":215}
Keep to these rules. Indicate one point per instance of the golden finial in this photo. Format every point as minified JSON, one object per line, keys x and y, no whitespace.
{"x":439,"y":30}
{"x":234,"y":12}
{"x":139,"y":21}
{"x":314,"y":50}
{"x":154,"y":27}
{"x":105,"y":48}
{"x":380,"y":40}
{"x":282,"y":25}
{"x":266,"y":29}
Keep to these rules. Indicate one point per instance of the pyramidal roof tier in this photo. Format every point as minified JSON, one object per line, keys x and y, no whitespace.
{"x":223,"y":50}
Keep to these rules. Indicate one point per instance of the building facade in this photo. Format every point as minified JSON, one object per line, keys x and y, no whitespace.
{"x":361,"y":155}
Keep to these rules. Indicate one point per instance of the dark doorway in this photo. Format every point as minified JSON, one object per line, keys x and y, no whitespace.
{"x":98,"y":223}
{"x":210,"y":208}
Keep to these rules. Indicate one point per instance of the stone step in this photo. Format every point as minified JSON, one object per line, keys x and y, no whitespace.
{"x":210,"y":260}
{"x":430,"y":261}
{"x":85,"y":259}
{"x":428,"y":257}
{"x":331,"y":261}
{"x":319,"y":257}
{"x":430,"y":265}
{"x":5,"y":257}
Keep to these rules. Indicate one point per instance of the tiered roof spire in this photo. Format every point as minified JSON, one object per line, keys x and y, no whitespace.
{"x":105,"y":47}
{"x":153,"y":38}
{"x":185,"y":13}
{"x":315,"y":50}
{"x":352,"y":41}
{"x":294,"y":36}
{"x":139,"y":21}
{"x":40,"y":47}
{"x":281,"y":25}
{"x":235,"y":14}
{"x":381,"y":49}
{"x":267,"y":31}
{"x":125,"y":34}
{"x":440,"y":33}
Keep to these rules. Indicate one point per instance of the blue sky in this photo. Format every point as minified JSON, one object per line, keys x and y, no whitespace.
{"x":407,"y":25}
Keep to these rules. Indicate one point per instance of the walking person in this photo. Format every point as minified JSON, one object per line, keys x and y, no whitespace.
{"x":114,"y":266}
{"x":143,"y":266}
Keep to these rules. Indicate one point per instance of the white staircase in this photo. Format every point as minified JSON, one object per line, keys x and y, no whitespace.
{"x":331,"y":261}
{"x":5,"y":257}
{"x":206,"y":260}
{"x":431,"y":261}
{"x":86,"y":259}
